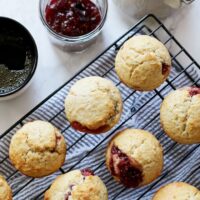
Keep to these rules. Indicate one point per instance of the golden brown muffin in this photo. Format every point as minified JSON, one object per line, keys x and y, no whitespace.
{"x":143,"y":63}
{"x":5,"y":190}
{"x":180,"y":115}
{"x":134,"y":157}
{"x":177,"y":191}
{"x":37,"y":149}
{"x":77,"y":185}
{"x":93,"y":105}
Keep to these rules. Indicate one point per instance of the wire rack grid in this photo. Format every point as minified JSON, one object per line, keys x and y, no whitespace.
{"x":141,"y":110}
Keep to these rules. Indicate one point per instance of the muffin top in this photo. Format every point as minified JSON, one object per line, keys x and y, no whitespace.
{"x":5,"y":191}
{"x":37,"y":149}
{"x":143,"y":63}
{"x":177,"y":191}
{"x":77,"y":185}
{"x":134,"y":157}
{"x":93,"y":105}
{"x":180,"y":114}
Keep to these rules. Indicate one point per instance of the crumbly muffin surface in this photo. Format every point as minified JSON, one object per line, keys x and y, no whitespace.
{"x":93,"y":105}
{"x":5,"y":190}
{"x":180,"y":115}
{"x":134,"y":157}
{"x":177,"y":191}
{"x":143,"y":63}
{"x":77,"y":185}
{"x":37,"y":149}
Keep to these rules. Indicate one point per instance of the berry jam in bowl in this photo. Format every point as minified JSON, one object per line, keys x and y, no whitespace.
{"x":73,"y":24}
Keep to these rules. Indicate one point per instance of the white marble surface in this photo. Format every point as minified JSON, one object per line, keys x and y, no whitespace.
{"x":56,"y":67}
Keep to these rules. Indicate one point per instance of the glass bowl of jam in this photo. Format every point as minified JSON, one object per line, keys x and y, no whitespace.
{"x":18,"y":58}
{"x":73,"y":24}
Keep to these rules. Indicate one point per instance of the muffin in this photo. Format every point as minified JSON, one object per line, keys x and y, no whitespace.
{"x":93,"y":105}
{"x":37,"y":149}
{"x":77,"y":185}
{"x":143,"y":63}
{"x":134,"y":158}
{"x":5,"y":191}
{"x":177,"y":191}
{"x":180,"y":115}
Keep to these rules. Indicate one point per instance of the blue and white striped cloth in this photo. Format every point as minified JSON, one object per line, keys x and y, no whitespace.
{"x":141,"y":110}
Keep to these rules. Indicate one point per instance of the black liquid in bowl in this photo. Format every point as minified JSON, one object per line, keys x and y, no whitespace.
{"x":18,"y":56}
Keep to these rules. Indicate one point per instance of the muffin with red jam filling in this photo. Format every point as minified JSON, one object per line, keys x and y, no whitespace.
{"x":143,"y":63}
{"x":77,"y":185}
{"x":134,"y":158}
{"x":93,"y":105}
{"x":37,"y":149}
{"x":177,"y":191}
{"x":180,"y":115}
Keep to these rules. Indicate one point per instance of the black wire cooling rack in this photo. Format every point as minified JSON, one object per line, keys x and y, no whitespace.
{"x":141,"y":110}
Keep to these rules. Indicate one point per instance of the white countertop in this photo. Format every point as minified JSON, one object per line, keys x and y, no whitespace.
{"x":56,"y":67}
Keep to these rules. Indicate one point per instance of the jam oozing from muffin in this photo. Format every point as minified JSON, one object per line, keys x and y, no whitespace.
{"x":127,"y":170}
{"x":58,"y":138}
{"x":70,"y":192}
{"x":72,"y":17}
{"x":68,"y":195}
{"x":165,"y":68}
{"x":194,"y":91}
{"x":79,"y":127}
{"x":87,"y":172}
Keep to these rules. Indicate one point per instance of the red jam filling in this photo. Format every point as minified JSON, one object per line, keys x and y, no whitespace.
{"x":79,"y":127}
{"x":58,"y":138}
{"x":72,"y":17}
{"x":129,"y":173}
{"x":69,"y":193}
{"x":165,"y":68}
{"x":194,"y":91}
{"x":71,"y":186}
{"x":87,"y":172}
